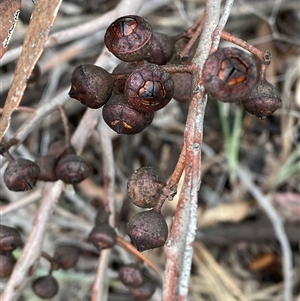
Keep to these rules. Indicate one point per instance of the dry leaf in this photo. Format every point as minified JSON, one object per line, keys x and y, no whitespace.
{"x":233,"y":212}
{"x":42,"y":19}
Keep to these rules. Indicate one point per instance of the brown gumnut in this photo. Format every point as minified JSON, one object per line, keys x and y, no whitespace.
{"x":149,"y":88}
{"x":7,"y":263}
{"x":128,"y":38}
{"x":147,"y":230}
{"x":123,"y":118}
{"x":10,"y":239}
{"x":72,"y":169}
{"x":144,"y":187}
{"x":103,"y":236}
{"x":131,"y":275}
{"x":263,"y":100}
{"x":66,"y":256}
{"x":182,"y":86}
{"x":91,"y":85}
{"x":21,"y":175}
{"x":45,"y":287}
{"x":229,"y":74}
{"x":47,"y":165}
{"x":162,"y":49}
{"x":122,"y":68}
{"x":143,"y":292}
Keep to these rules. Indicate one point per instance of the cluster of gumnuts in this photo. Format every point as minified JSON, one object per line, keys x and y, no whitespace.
{"x":65,"y":257}
{"x":61,"y":163}
{"x":145,"y":81}
{"x":141,"y":84}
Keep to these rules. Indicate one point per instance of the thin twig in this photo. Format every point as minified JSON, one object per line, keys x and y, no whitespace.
{"x":219,"y":29}
{"x":179,"y":248}
{"x":278,"y":226}
{"x":109,"y":200}
{"x":24,"y":201}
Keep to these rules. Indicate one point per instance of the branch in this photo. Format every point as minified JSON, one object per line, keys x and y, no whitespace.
{"x":179,"y":245}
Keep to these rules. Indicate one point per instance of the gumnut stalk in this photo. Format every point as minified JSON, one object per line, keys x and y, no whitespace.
{"x":145,"y":186}
{"x":263,"y":100}
{"x":147,"y":230}
{"x":229,"y":74}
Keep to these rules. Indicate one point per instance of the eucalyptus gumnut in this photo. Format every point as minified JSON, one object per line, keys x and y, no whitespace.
{"x":144,"y":187}
{"x":124,"y":68}
{"x":91,"y":85}
{"x":72,"y":169}
{"x":128,"y":38}
{"x":47,"y":165}
{"x":10,"y":239}
{"x":149,"y":88}
{"x":147,"y":230}
{"x":229,"y":74}
{"x":121,"y":117}
{"x":45,"y":287}
{"x":263,"y":100}
{"x":103,"y":236}
{"x":182,"y":86}
{"x":131,"y":275}
{"x":162,"y":49}
{"x":66,"y":256}
{"x":21,"y":175}
{"x":143,"y":292}
{"x":7,"y":263}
